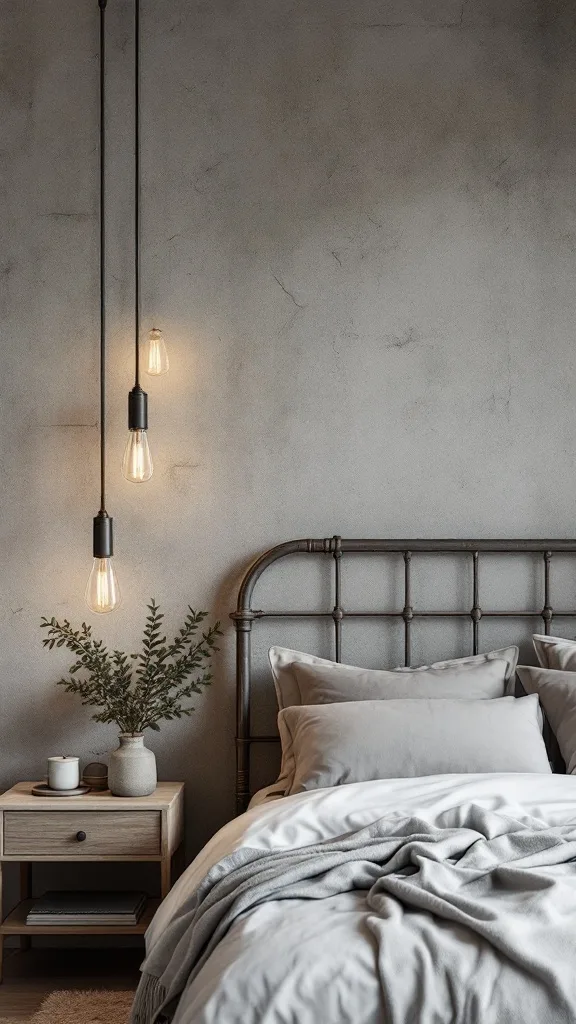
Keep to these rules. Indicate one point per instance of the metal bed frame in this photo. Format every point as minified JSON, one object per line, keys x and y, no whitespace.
{"x":335,"y":547}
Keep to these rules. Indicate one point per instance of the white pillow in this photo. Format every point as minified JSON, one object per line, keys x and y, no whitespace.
{"x":304,"y":679}
{"x":334,"y":744}
{"x":555,"y":652}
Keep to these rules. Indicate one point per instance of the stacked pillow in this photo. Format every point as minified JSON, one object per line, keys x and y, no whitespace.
{"x":304,"y":679}
{"x":342,"y":724}
{"x":554,"y":681}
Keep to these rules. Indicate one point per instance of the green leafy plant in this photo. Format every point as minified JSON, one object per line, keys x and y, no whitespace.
{"x":138,"y":691}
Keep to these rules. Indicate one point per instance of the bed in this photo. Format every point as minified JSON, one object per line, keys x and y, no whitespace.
{"x":366,"y":886}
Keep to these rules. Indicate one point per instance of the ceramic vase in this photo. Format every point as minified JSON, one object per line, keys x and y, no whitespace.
{"x":132,"y":767}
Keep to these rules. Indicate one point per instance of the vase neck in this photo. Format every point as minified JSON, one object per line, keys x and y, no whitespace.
{"x":127,"y":740}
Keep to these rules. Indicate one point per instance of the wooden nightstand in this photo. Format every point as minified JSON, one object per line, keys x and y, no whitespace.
{"x":95,"y":827}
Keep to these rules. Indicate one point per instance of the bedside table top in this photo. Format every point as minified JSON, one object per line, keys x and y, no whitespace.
{"x":20,"y":798}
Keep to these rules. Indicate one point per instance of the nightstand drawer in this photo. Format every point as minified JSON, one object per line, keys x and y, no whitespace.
{"x":78,"y":834}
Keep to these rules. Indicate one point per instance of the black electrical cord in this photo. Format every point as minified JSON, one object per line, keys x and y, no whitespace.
{"x":102,"y":536}
{"x":137,"y":398}
{"x":102,"y":6}
{"x":137,"y":192}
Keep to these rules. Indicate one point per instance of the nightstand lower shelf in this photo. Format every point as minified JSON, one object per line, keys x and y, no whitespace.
{"x":15,"y":924}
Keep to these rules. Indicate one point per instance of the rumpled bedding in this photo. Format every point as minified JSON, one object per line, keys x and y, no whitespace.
{"x":442,"y":899}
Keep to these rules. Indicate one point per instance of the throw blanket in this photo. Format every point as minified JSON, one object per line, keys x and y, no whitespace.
{"x":471,"y":924}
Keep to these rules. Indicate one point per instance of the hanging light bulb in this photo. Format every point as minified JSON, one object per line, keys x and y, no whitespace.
{"x":137,"y":462}
{"x":102,"y":591}
{"x":137,"y":465}
{"x":155,"y":356}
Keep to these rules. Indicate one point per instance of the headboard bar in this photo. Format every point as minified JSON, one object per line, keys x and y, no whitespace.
{"x":245,"y":615}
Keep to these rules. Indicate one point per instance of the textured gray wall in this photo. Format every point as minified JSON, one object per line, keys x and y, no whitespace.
{"x":359,"y":237}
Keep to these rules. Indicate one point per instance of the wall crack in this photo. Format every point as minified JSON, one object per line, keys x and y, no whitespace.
{"x":288,"y":293}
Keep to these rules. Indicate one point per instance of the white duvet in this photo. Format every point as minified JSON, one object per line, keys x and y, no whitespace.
{"x":312,"y":961}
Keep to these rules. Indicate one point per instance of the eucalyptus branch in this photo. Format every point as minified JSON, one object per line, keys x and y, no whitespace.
{"x":137,"y":691}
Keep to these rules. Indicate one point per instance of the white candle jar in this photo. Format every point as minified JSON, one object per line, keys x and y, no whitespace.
{"x":63,"y":772}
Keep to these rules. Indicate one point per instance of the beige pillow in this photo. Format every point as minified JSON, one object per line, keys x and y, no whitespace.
{"x":557,"y":692}
{"x":335,"y":744}
{"x":304,"y":679}
{"x":555,"y":652}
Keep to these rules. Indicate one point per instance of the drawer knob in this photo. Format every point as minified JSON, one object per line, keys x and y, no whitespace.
{"x":80,"y":836}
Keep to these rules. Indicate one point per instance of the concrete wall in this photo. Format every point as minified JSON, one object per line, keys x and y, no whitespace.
{"x":359,"y":238}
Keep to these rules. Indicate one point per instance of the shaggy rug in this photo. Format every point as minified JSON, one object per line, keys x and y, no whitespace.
{"x":77,"y":1007}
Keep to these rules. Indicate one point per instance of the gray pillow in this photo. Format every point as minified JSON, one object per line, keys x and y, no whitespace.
{"x":555,"y":652}
{"x":557,"y":692}
{"x":334,"y":744}
{"x":304,"y":679}
{"x":479,"y":681}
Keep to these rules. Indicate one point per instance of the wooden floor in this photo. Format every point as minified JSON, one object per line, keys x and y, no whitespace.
{"x":30,"y":977}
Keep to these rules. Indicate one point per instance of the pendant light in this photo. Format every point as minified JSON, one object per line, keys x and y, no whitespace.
{"x":102,"y":591}
{"x":156,"y":356}
{"x":137,"y":463}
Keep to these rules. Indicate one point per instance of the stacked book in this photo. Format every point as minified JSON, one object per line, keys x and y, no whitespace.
{"x":88,"y":908}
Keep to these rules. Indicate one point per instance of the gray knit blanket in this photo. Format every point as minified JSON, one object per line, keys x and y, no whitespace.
{"x":492,"y":902}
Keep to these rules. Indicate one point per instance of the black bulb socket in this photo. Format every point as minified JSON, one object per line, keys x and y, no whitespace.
{"x":102,"y":536}
{"x":137,"y":409}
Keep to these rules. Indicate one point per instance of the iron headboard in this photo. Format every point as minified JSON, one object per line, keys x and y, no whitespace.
{"x":336,"y":547}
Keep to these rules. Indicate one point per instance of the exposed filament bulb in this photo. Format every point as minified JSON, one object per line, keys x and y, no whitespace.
{"x":102,"y":590}
{"x":155,"y":354}
{"x":137,"y":463}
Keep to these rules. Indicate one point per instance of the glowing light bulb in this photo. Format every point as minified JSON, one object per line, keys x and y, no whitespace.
{"x":102,"y":590}
{"x":155,"y":354}
{"x":137,"y":464}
